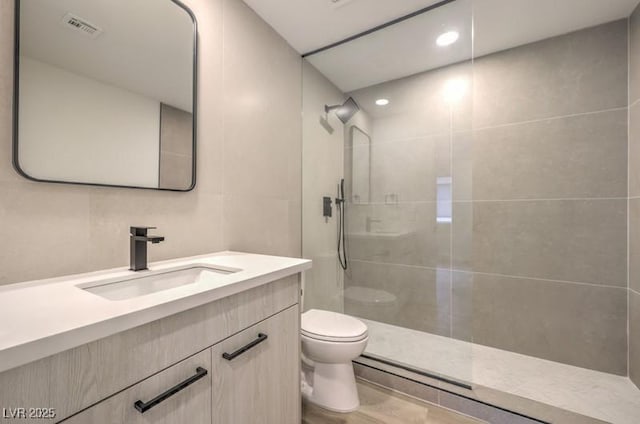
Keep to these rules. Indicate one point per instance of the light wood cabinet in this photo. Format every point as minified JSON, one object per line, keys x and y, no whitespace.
{"x":251,"y":377}
{"x":256,"y":373}
{"x":73,"y":380}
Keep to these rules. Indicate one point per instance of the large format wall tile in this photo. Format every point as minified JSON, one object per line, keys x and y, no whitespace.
{"x":45,"y":231}
{"x":409,"y":169}
{"x":634,"y":203}
{"x":571,"y":240}
{"x":573,"y":157}
{"x":262,"y":136}
{"x":634,"y":336}
{"x":634,"y":244}
{"x":191,"y":228}
{"x":420,"y":105}
{"x":408,"y":296}
{"x":578,"y":324}
{"x":634,"y":57}
{"x":324,"y":284}
{"x":262,"y":95}
{"x":634,"y":150}
{"x":259,"y":225}
{"x":584,"y":71}
{"x":406,"y":233}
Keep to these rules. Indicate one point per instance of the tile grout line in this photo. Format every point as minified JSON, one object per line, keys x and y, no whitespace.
{"x":451,"y":159}
{"x":412,"y":139}
{"x":552,"y":118}
{"x":426,"y":202}
{"x":518,"y":277}
{"x":417,"y":138}
{"x":509,"y":124}
{"x":540,"y":199}
{"x":628,"y":189}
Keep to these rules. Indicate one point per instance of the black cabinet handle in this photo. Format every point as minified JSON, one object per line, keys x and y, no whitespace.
{"x":143,"y":407}
{"x":229,"y":356}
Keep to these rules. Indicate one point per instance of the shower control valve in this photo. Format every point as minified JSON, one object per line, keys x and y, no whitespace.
{"x":326,"y":207}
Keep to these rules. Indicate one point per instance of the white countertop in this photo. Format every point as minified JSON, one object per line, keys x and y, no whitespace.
{"x":45,"y":317}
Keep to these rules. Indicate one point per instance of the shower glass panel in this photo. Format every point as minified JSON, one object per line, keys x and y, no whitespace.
{"x":395,"y":154}
{"x":486,"y":201}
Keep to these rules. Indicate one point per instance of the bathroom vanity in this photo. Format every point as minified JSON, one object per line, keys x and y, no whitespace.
{"x":207,"y":339}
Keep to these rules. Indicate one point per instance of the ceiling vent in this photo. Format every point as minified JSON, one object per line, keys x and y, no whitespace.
{"x":335,"y":4}
{"x":78,"y":24}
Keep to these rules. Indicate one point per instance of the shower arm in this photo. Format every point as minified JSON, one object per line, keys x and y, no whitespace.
{"x":328,"y":108}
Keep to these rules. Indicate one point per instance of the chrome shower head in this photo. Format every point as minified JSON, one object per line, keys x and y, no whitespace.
{"x":344,"y":111}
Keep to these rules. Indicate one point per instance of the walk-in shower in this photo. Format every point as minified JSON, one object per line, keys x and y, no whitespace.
{"x":488,"y":204}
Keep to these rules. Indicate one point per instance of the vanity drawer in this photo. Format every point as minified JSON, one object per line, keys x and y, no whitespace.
{"x":256,"y":373}
{"x":179,"y":394}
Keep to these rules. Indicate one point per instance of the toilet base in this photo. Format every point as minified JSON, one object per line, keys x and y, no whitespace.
{"x":333,"y":388}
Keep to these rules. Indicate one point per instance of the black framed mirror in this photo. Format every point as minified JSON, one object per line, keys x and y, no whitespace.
{"x":105,"y":93}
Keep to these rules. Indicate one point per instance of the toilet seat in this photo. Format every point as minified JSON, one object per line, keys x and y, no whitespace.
{"x":332,"y":327}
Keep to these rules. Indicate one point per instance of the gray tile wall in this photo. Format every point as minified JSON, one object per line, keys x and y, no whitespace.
{"x":634,"y":337}
{"x":536,"y":256}
{"x":634,"y":197}
{"x":248,"y":192}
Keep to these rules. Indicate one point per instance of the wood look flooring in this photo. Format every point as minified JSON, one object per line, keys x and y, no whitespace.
{"x":381,"y":406}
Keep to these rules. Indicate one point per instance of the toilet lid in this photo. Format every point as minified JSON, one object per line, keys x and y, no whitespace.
{"x":332,"y":326}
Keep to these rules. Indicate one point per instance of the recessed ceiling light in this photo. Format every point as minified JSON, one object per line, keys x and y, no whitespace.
{"x":447,"y":38}
{"x":382,"y":102}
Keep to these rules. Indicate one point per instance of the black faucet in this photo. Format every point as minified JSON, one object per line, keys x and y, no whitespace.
{"x":138,"y":243}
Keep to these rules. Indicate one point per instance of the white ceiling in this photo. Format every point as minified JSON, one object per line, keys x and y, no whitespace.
{"x":310,"y":24}
{"x":146,"y":46}
{"x":401,"y":50}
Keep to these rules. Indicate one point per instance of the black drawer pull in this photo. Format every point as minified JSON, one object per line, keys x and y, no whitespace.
{"x":143,"y":407}
{"x":229,"y":356}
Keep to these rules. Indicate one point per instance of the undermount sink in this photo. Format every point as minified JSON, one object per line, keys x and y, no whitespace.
{"x":131,"y":287}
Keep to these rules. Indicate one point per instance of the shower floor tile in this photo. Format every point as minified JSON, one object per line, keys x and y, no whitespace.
{"x":591,"y":393}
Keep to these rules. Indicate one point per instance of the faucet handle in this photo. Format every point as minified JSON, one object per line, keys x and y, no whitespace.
{"x":140,"y":231}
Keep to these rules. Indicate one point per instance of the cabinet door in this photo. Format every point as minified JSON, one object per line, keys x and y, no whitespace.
{"x":256,"y":377}
{"x":158,"y":396}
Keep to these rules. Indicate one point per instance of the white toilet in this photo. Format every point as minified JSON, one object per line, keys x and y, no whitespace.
{"x":330,"y":341}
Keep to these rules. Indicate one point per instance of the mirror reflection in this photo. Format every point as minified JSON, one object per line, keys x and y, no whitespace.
{"x":105,"y":93}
